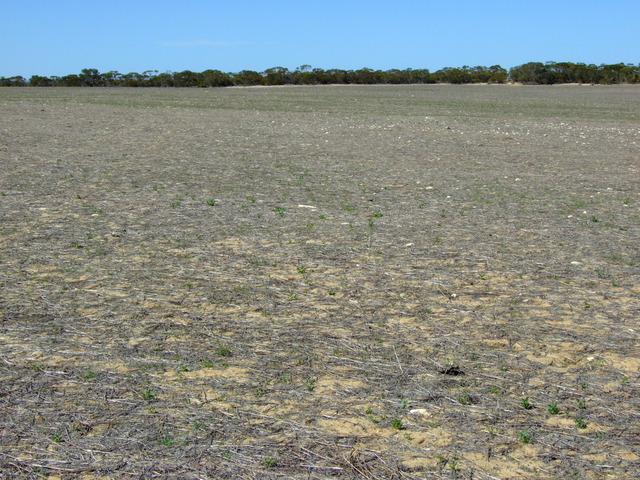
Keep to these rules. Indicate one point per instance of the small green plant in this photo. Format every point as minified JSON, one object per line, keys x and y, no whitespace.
{"x":89,"y":374}
{"x":211,"y":202}
{"x":581,"y":422}
{"x":526,"y":403}
{"x":495,"y":389}
{"x":208,"y":364}
{"x":525,"y":436}
{"x":376,"y":214}
{"x":601,"y":272}
{"x":594,"y":219}
{"x":37,"y":366}
{"x":396,"y":423}
{"x":166,"y":439}
{"x":56,"y":438}
{"x":280,"y":211}
{"x":464,"y":397}
{"x":322,"y":216}
{"x":223,"y":351}
{"x":553,"y":408}
{"x":148,"y":394}
{"x":268,"y":462}
{"x":348,"y":207}
{"x":404,"y":403}
{"x":301,"y":269}
{"x":310,"y":385}
{"x":89,"y":235}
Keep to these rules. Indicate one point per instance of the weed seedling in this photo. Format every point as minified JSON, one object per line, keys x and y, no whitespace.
{"x":581,"y":422}
{"x":463,"y":397}
{"x":166,"y":439}
{"x":526,"y":403}
{"x":524,"y":436}
{"x":148,"y":394}
{"x":211,"y":202}
{"x":396,"y":423}
{"x":553,"y":409}
{"x":223,"y":351}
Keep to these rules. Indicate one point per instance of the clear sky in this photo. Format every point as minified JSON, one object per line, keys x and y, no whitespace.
{"x":59,"y":37}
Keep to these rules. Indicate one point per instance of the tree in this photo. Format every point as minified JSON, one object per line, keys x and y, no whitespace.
{"x":214,"y":78}
{"x":90,"y":77}
{"x":111,"y":78}
{"x":38,"y":81}
{"x":247,"y":77}
{"x":528,"y":73}
{"x":277,"y":76}
{"x":498,"y":74}
{"x":17,"y":81}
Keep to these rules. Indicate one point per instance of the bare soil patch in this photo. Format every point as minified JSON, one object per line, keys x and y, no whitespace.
{"x":320,"y":282}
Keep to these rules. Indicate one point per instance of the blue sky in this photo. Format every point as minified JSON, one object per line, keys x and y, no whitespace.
{"x":46,"y":37}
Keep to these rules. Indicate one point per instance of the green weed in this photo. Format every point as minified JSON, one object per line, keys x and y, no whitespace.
{"x":396,"y":423}
{"x":526,"y":403}
{"x":553,"y":408}
{"x":525,"y":436}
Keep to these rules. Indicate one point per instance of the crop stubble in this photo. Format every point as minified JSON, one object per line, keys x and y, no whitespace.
{"x":320,"y":282}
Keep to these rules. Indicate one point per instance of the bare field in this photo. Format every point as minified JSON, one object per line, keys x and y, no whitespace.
{"x":417,"y":282}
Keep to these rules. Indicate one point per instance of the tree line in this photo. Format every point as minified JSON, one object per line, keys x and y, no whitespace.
{"x":533,"y":73}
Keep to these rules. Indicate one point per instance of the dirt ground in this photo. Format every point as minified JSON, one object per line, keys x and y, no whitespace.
{"x":372,"y":282}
